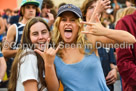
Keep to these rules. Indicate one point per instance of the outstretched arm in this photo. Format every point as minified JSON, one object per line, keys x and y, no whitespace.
{"x":99,"y":33}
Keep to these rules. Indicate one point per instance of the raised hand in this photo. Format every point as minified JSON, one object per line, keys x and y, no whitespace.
{"x":101,"y":6}
{"x":49,"y":53}
{"x":51,"y":19}
{"x":94,"y":28}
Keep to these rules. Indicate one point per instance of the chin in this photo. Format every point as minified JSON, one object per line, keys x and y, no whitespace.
{"x":68,"y":41}
{"x":31,"y":17}
{"x":40,"y":49}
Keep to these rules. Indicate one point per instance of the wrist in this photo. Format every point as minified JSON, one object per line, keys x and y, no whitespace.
{"x":107,"y":32}
{"x":49,"y":65}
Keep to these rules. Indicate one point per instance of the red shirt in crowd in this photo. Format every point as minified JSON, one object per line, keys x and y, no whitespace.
{"x":126,"y":58}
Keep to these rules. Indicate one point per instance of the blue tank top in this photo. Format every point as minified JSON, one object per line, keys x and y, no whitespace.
{"x":86,"y":75}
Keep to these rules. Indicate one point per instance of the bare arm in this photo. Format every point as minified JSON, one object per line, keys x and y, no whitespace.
{"x":50,"y":74}
{"x":2,"y":27}
{"x":51,"y":78}
{"x":101,"y":6}
{"x":118,"y":36}
{"x":3,"y":67}
{"x":101,"y":34}
{"x":30,"y":85}
{"x":7,"y":48}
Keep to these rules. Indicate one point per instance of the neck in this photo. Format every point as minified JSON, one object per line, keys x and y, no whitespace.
{"x":24,"y":20}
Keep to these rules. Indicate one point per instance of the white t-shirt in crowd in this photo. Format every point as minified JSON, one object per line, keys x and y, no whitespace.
{"x":28,"y":70}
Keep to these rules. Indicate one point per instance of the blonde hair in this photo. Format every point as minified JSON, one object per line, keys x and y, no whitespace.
{"x":128,"y":11}
{"x":123,"y":12}
{"x":118,"y":15}
{"x":81,"y":39}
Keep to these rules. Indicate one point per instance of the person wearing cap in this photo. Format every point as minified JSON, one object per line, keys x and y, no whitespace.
{"x":29,"y":9}
{"x":77,"y":66}
{"x":126,"y":58}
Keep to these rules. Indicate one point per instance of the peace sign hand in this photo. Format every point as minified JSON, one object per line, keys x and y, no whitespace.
{"x":95,"y":28}
{"x":49,"y":53}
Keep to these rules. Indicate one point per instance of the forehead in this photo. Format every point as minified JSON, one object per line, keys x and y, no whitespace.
{"x":36,"y":25}
{"x":68,"y":14}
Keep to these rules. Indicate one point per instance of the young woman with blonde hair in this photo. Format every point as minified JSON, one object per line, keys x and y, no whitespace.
{"x":78,"y":67}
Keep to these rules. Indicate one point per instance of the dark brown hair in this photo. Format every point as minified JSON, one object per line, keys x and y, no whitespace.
{"x":85,"y":6}
{"x":22,"y":11}
{"x":40,"y":63}
{"x":134,"y":2}
{"x":47,"y":3}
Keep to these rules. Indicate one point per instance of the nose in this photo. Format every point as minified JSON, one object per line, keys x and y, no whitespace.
{"x":32,"y":9}
{"x":68,"y":23}
{"x":40,"y":36}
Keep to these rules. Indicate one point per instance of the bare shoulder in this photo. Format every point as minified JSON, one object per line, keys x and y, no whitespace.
{"x":11,"y":33}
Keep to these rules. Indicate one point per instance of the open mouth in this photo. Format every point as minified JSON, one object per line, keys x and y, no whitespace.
{"x":68,"y":33}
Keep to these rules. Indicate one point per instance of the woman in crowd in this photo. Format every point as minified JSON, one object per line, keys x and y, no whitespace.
{"x":27,"y":73}
{"x":77,"y":67}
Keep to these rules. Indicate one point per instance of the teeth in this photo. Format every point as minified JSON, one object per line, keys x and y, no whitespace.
{"x":67,"y":29}
{"x":41,"y":42}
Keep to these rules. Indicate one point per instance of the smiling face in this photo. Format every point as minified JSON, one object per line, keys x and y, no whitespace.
{"x":39,"y":35}
{"x":68,"y":27}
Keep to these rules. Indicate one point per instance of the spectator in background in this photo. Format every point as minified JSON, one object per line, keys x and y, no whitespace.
{"x":46,"y":14}
{"x":3,"y":68}
{"x":128,"y":3}
{"x":106,"y":55}
{"x":6,"y":17}
{"x":2,"y":29}
{"x":126,"y":58}
{"x":15,"y":18}
{"x":116,"y":5}
{"x":118,"y":15}
{"x":29,"y":9}
{"x":127,"y":11}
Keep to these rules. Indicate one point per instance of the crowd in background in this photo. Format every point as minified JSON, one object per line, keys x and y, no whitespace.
{"x":48,"y":12}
